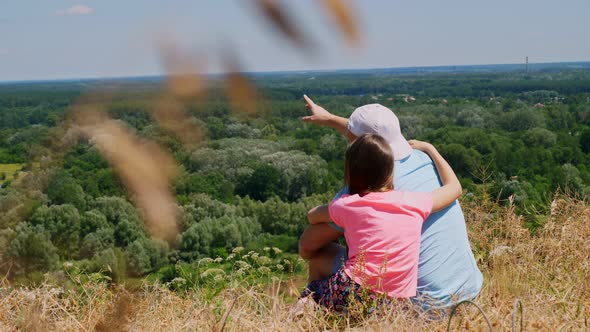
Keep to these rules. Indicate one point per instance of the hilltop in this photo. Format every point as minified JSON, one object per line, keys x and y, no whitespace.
{"x":546,"y":271}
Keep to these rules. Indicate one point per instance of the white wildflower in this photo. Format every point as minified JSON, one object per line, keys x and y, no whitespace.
{"x":212,"y":272}
{"x":178,"y":280}
{"x":501,"y":250}
{"x":263,"y":260}
{"x":218,"y":260}
{"x":276,"y":250}
{"x":266,"y":249}
{"x":264,"y":270}
{"x":243,"y":265}
{"x":237,"y":250}
{"x":206,"y":260}
{"x":280,"y":267}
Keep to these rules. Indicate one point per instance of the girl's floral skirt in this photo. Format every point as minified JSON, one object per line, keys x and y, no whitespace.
{"x":338,"y":292}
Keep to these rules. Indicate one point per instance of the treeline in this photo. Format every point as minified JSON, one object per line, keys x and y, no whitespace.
{"x":106,"y":234}
{"x":439,"y":85}
{"x":252,"y":181}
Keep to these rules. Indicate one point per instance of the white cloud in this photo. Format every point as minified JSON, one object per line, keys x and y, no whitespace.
{"x":75,"y":10}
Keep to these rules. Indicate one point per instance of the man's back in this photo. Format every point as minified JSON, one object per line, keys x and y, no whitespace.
{"x":447,"y":271}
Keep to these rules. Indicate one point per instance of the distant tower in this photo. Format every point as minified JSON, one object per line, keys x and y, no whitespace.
{"x":526,"y":67}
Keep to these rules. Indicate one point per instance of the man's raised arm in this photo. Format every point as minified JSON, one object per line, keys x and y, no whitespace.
{"x":321,"y":117}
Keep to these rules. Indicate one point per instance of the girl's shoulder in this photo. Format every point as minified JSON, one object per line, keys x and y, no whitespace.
{"x":408,"y":196}
{"x":417,"y":201}
{"x":343,"y":199}
{"x":391,"y":196}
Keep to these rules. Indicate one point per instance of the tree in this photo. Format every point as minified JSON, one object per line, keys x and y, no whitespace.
{"x":235,"y":158}
{"x":242,"y":130}
{"x":332,"y":147}
{"x":215,"y":127}
{"x":465,"y":161}
{"x":411,"y":126}
{"x":301,"y":174}
{"x":203,"y":238}
{"x":539,"y":137}
{"x":560,"y":118}
{"x":264,"y":183}
{"x":91,"y":221}
{"x":32,"y":249}
{"x":109,"y":261}
{"x":521,"y":119}
{"x":522,"y":192}
{"x":62,"y":223}
{"x":115,"y":209}
{"x":196,"y":241}
{"x":571,"y":181}
{"x":63,"y":189}
{"x":201,"y":206}
{"x":213,"y":184}
{"x":585,"y":140}
{"x":471,"y":117}
{"x":276,"y":216}
{"x":107,"y":183}
{"x":138,"y":258}
{"x":123,"y":217}
{"x":127,"y":231}
{"x":93,"y":243}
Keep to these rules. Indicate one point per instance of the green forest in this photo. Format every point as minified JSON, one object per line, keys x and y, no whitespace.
{"x":513,"y":137}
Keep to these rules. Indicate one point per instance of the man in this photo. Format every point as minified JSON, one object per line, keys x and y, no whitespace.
{"x":447,"y":271}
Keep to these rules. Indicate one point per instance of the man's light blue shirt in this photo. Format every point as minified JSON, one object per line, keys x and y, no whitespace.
{"x":447,"y":271}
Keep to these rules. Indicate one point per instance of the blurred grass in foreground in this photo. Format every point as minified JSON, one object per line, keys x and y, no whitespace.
{"x":253,"y":291}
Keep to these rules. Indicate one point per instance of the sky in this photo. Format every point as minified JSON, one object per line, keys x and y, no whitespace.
{"x":63,"y":39}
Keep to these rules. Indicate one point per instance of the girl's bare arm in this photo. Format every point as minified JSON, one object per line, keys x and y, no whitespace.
{"x":451,"y":189}
{"x":319,"y":214}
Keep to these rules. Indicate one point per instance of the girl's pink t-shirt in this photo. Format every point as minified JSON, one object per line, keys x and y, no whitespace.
{"x":382,"y":230}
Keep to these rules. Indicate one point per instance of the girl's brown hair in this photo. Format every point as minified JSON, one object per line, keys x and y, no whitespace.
{"x":369,"y":165}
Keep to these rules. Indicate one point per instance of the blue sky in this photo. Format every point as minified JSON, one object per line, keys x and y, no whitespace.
{"x":58,"y":39}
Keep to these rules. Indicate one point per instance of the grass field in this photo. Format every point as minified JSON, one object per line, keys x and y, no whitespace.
{"x":548,"y":272}
{"x":9,"y":170}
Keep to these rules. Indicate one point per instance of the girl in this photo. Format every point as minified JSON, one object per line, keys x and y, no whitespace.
{"x":381,"y":226}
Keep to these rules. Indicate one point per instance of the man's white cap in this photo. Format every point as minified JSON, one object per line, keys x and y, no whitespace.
{"x":380,"y":120}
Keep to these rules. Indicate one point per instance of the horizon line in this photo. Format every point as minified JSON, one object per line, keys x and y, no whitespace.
{"x":293,"y":71}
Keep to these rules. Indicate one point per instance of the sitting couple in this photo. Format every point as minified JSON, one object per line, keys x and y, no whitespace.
{"x":399,"y":214}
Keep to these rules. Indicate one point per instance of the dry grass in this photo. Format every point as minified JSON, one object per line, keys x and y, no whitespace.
{"x":548,"y":271}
